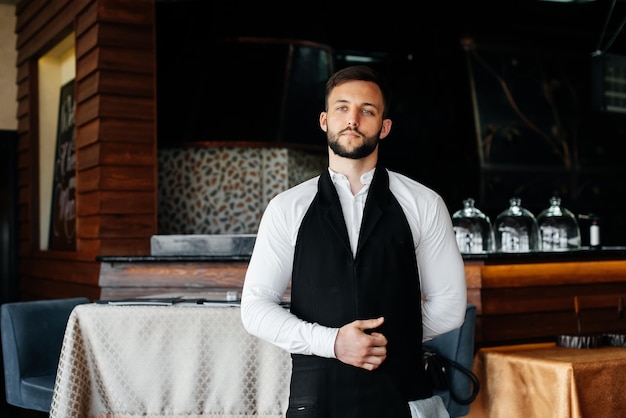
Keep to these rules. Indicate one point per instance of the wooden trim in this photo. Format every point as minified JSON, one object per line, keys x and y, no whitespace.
{"x":553,"y":274}
{"x":183,"y":274}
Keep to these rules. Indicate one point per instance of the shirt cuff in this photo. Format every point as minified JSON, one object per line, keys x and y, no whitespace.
{"x":324,"y":341}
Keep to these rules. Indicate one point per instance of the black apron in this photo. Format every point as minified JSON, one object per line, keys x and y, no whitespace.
{"x":333,"y":288}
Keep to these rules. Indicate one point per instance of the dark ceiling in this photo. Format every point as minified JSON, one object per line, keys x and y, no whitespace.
{"x":412,"y":27}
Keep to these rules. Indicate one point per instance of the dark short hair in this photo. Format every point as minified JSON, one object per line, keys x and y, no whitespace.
{"x":360,"y":73}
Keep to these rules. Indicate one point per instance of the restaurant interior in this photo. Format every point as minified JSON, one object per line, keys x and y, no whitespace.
{"x":189,"y":115}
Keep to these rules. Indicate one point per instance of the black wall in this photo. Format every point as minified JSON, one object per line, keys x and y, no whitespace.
{"x":434,"y":135}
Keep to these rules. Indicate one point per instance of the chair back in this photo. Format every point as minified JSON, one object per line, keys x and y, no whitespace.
{"x":457,"y":345}
{"x":32,"y":335}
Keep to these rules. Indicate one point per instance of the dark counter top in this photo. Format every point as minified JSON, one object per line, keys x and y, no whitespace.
{"x":584,"y":254}
{"x":170,"y":258}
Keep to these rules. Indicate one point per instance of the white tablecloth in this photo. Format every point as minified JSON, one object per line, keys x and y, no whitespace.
{"x":175,"y":361}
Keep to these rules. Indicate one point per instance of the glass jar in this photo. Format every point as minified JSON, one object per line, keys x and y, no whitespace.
{"x":516,"y":229}
{"x":473,"y":230}
{"x":558,"y":228}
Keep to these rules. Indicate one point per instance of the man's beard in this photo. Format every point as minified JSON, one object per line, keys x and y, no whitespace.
{"x":362,"y":151}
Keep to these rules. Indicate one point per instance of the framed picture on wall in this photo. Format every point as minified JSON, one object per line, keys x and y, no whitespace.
{"x":63,"y":206}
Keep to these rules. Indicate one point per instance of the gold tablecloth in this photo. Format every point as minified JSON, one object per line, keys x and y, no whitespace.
{"x":167,"y":361}
{"x":544,"y":380}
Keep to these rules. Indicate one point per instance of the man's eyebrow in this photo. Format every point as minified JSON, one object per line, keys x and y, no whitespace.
{"x":370,"y":105}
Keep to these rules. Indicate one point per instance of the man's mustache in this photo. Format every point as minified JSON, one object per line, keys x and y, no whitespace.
{"x":351,"y":129}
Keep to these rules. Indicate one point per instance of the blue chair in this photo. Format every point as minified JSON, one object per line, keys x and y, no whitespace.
{"x":457,"y":345}
{"x":32,"y":336}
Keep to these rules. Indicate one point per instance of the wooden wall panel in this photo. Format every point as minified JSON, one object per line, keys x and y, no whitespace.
{"x":115,"y":35}
{"x":32,"y":16}
{"x":118,"y":130}
{"x":49,"y":268}
{"x":87,"y":87}
{"x":505,"y":301}
{"x":115,"y":178}
{"x":110,"y":82}
{"x":135,"y":108}
{"x":88,"y":133}
{"x":89,"y":110}
{"x":106,"y":202}
{"x":139,"y":12}
{"x":115,"y":226}
{"x":125,"y":247}
{"x":85,"y":20}
{"x":116,"y":105}
{"x":22,"y":93}
{"x":132,"y":60}
{"x":544,"y":326}
{"x":22,"y":126}
{"x":116,"y":153}
{"x":534,"y":302}
{"x":23,"y":160}
{"x":125,"y":35}
{"x":114,"y":130}
{"x":33,"y":288}
{"x":86,"y":64}
{"x":51,"y":24}
{"x":23,"y":105}
{"x":138,"y":85}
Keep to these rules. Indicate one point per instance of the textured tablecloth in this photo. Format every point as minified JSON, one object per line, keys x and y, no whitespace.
{"x":544,"y":380}
{"x":167,"y":361}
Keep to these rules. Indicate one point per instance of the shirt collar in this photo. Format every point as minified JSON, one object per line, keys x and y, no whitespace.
{"x":338,"y":178}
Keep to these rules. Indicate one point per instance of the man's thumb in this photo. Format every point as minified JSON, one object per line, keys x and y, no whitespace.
{"x":368,"y":324}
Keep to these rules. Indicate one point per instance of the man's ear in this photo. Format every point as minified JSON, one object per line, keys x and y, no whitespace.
{"x":385,"y":129}
{"x":323,"y":124}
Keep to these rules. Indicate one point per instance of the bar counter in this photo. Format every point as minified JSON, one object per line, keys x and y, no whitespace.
{"x":520,"y":297}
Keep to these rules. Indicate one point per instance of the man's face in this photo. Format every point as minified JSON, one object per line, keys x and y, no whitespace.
{"x":353,"y":122}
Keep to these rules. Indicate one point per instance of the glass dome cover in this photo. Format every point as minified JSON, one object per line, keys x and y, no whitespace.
{"x":558,"y":228}
{"x":473,"y":230}
{"x":516,"y":229}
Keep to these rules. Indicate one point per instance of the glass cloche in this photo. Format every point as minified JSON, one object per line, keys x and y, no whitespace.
{"x":516,"y":229}
{"x":558,"y":228}
{"x":473,"y":230}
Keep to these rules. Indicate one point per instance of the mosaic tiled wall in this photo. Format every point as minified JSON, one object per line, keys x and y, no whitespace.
{"x":220,"y":190}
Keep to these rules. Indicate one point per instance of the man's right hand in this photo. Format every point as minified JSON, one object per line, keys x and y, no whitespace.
{"x":356,"y":347}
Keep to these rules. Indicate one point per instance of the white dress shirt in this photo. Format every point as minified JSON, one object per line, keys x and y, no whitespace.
{"x":440,"y":264}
